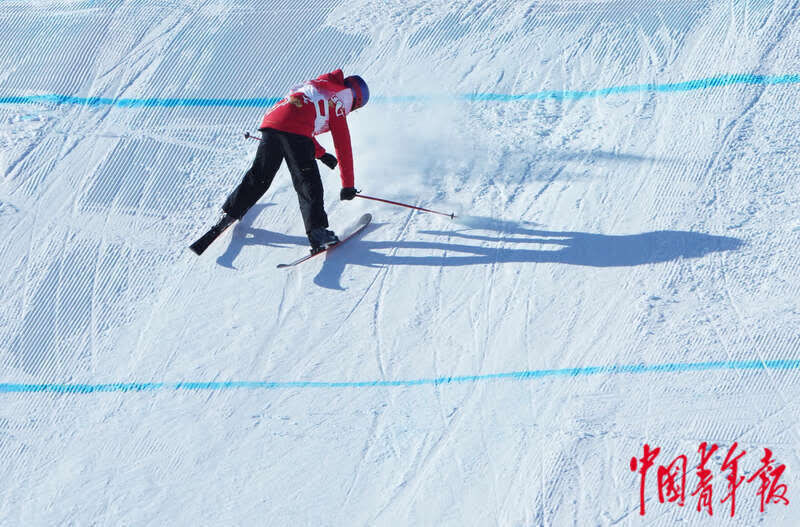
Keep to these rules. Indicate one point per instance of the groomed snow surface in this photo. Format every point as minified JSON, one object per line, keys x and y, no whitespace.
{"x":623,"y":269}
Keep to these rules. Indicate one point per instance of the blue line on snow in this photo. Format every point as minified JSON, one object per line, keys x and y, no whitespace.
{"x":514,"y":375}
{"x":700,"y":84}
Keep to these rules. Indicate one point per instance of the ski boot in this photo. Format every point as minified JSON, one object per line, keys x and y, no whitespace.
{"x":321,"y":239}
{"x":224,"y":222}
{"x":213,"y":233}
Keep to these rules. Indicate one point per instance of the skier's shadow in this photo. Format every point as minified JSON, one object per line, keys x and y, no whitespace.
{"x":519,"y":243}
{"x":245,"y":234}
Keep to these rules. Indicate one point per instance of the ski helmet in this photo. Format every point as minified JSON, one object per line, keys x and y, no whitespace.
{"x":359,"y":89}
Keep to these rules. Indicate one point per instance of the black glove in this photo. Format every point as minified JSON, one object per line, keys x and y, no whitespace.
{"x":329,"y":160}
{"x":348,"y":193}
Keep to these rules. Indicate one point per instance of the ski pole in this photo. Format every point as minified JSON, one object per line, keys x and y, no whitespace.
{"x":451,"y":215}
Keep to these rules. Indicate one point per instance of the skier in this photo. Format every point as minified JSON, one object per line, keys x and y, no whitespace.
{"x":288,"y":129}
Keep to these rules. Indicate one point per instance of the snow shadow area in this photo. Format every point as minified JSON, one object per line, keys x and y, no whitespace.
{"x":517,"y":243}
{"x":244,"y":234}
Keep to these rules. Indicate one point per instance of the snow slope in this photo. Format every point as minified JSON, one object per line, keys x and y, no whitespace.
{"x":623,"y":270}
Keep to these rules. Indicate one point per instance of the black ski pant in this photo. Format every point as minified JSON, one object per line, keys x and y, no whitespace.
{"x":298,"y":150}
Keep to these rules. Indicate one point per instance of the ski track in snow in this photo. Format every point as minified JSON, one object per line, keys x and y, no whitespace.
{"x":622,"y":270}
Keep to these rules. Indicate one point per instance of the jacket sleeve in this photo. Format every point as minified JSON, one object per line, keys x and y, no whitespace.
{"x":318,"y":150}
{"x":341,"y":142}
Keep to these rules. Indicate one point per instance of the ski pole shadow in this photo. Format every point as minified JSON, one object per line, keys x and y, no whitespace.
{"x":245,"y":234}
{"x":513,"y":242}
{"x":605,"y":156}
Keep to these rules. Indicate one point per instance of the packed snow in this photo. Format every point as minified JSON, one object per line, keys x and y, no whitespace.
{"x":622,"y":269}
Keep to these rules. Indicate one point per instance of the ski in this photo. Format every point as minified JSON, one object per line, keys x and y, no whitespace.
{"x":213,"y":233}
{"x":354,"y":229}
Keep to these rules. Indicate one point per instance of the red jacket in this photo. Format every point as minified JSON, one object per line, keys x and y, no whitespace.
{"x":315,"y":107}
